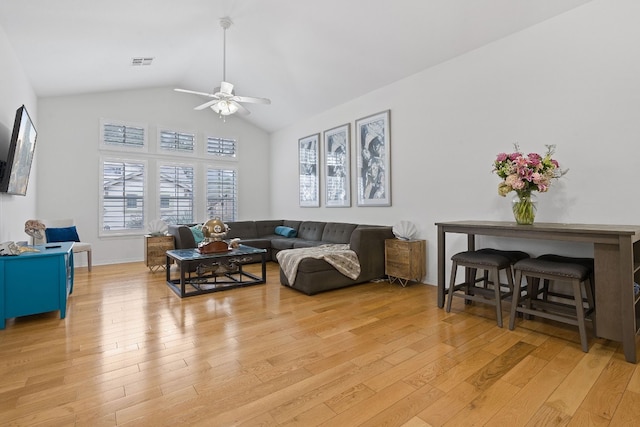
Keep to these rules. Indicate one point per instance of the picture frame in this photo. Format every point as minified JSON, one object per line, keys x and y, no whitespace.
{"x":373,"y":153}
{"x":337,"y":166}
{"x":308,"y":170}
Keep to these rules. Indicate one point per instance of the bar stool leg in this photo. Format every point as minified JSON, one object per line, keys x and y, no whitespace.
{"x":470,"y":281}
{"x":495,"y":275}
{"x":515,"y":299}
{"x":452,"y":283}
{"x":591,"y":301}
{"x":577,"y":292}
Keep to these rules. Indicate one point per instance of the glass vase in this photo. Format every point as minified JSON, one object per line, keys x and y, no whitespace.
{"x":524,"y":208}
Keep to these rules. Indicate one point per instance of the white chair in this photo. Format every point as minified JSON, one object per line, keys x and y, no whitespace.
{"x":64,"y":223}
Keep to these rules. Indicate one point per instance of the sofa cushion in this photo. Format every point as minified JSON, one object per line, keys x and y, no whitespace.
{"x":308,"y":243}
{"x":311,"y":230}
{"x":281,"y":243}
{"x":264,"y":228}
{"x":293,"y":224}
{"x":243,"y":230}
{"x":257,"y":243}
{"x":286,"y":231}
{"x":338,"y":232}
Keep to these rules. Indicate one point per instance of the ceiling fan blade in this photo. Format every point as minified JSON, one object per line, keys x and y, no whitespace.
{"x":226,"y":87}
{"x":210,"y":95}
{"x":241,"y":109}
{"x":252,"y":100}
{"x":206,"y":104}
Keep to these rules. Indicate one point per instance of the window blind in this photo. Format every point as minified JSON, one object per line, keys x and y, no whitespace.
{"x":176,"y":194}
{"x":116,"y":134}
{"x":222,"y":147}
{"x":123,"y":195}
{"x":222,"y":194}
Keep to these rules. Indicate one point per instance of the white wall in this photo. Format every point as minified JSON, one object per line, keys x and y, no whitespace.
{"x":16,"y":90}
{"x":69,"y":141}
{"x":570,"y":81}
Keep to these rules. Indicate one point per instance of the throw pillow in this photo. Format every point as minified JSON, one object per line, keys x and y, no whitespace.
{"x":198,"y":235}
{"x":64,"y":234}
{"x":281,"y":230}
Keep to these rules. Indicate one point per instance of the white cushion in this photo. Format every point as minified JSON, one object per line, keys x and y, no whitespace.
{"x":81,"y":247}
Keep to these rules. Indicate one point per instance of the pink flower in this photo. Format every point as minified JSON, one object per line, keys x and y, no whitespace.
{"x":518,"y":185}
{"x":511,"y":179}
{"x":525,"y":174}
{"x":520,"y":162}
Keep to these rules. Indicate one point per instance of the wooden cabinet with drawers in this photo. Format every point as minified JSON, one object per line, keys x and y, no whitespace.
{"x":155,"y":248}
{"x":405,"y":260}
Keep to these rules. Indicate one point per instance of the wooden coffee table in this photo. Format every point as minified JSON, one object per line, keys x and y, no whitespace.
{"x":205,"y":273}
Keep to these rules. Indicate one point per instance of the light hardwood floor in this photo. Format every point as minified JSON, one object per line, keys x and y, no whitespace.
{"x":131,"y":353}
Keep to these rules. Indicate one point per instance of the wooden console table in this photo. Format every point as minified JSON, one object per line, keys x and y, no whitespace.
{"x":616,"y":251}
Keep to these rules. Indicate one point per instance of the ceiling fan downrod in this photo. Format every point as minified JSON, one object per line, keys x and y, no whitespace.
{"x":225,"y":23}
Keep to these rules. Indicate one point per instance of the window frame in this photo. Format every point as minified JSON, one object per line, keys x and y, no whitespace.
{"x":217,"y":157}
{"x":194,"y":201}
{"x":214,"y":166}
{"x":124,"y":147}
{"x":101,"y":198}
{"x":166,"y":152}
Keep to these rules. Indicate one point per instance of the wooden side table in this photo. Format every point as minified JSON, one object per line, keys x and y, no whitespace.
{"x":155,"y":248}
{"x":405,"y":260}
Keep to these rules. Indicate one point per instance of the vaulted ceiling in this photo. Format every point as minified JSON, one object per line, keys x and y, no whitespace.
{"x":305,"y":55}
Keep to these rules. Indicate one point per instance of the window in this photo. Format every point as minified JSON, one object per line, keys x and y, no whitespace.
{"x":222,"y":194}
{"x":177,"y":141}
{"x":176,"y":194}
{"x":166,"y":178}
{"x":222,"y":147}
{"x":122,"y":199}
{"x":122,"y":135}
{"x":165,"y":201}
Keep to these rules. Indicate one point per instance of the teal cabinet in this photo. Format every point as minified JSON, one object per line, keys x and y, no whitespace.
{"x":36,"y":282}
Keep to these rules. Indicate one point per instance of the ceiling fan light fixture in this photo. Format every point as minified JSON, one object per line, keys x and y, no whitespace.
{"x":224,"y":107}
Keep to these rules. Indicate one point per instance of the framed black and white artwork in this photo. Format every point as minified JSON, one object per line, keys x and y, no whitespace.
{"x":309,"y":168}
{"x":373,"y":142}
{"x":337,"y":171}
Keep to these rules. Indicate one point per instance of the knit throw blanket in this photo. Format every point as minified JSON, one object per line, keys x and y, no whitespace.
{"x":339,"y":256}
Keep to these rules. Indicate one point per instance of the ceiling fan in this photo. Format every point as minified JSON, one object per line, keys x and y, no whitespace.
{"x":224,"y":101}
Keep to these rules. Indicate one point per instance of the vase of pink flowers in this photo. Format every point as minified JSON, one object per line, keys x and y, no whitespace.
{"x":524,"y":208}
{"x":525,"y":174}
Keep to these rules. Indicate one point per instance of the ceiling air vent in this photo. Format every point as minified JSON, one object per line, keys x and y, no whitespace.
{"x":142,"y":60}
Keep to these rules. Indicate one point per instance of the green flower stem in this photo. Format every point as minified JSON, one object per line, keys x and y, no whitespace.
{"x":524,"y":210}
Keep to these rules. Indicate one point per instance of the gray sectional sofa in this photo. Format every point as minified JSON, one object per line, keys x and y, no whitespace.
{"x":313,"y":275}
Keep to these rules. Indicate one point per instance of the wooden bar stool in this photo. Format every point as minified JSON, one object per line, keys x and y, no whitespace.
{"x":572,"y":313}
{"x":491,"y":261}
{"x":589,"y":291}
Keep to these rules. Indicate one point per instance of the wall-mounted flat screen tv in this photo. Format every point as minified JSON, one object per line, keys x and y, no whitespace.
{"x":16,"y":170}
